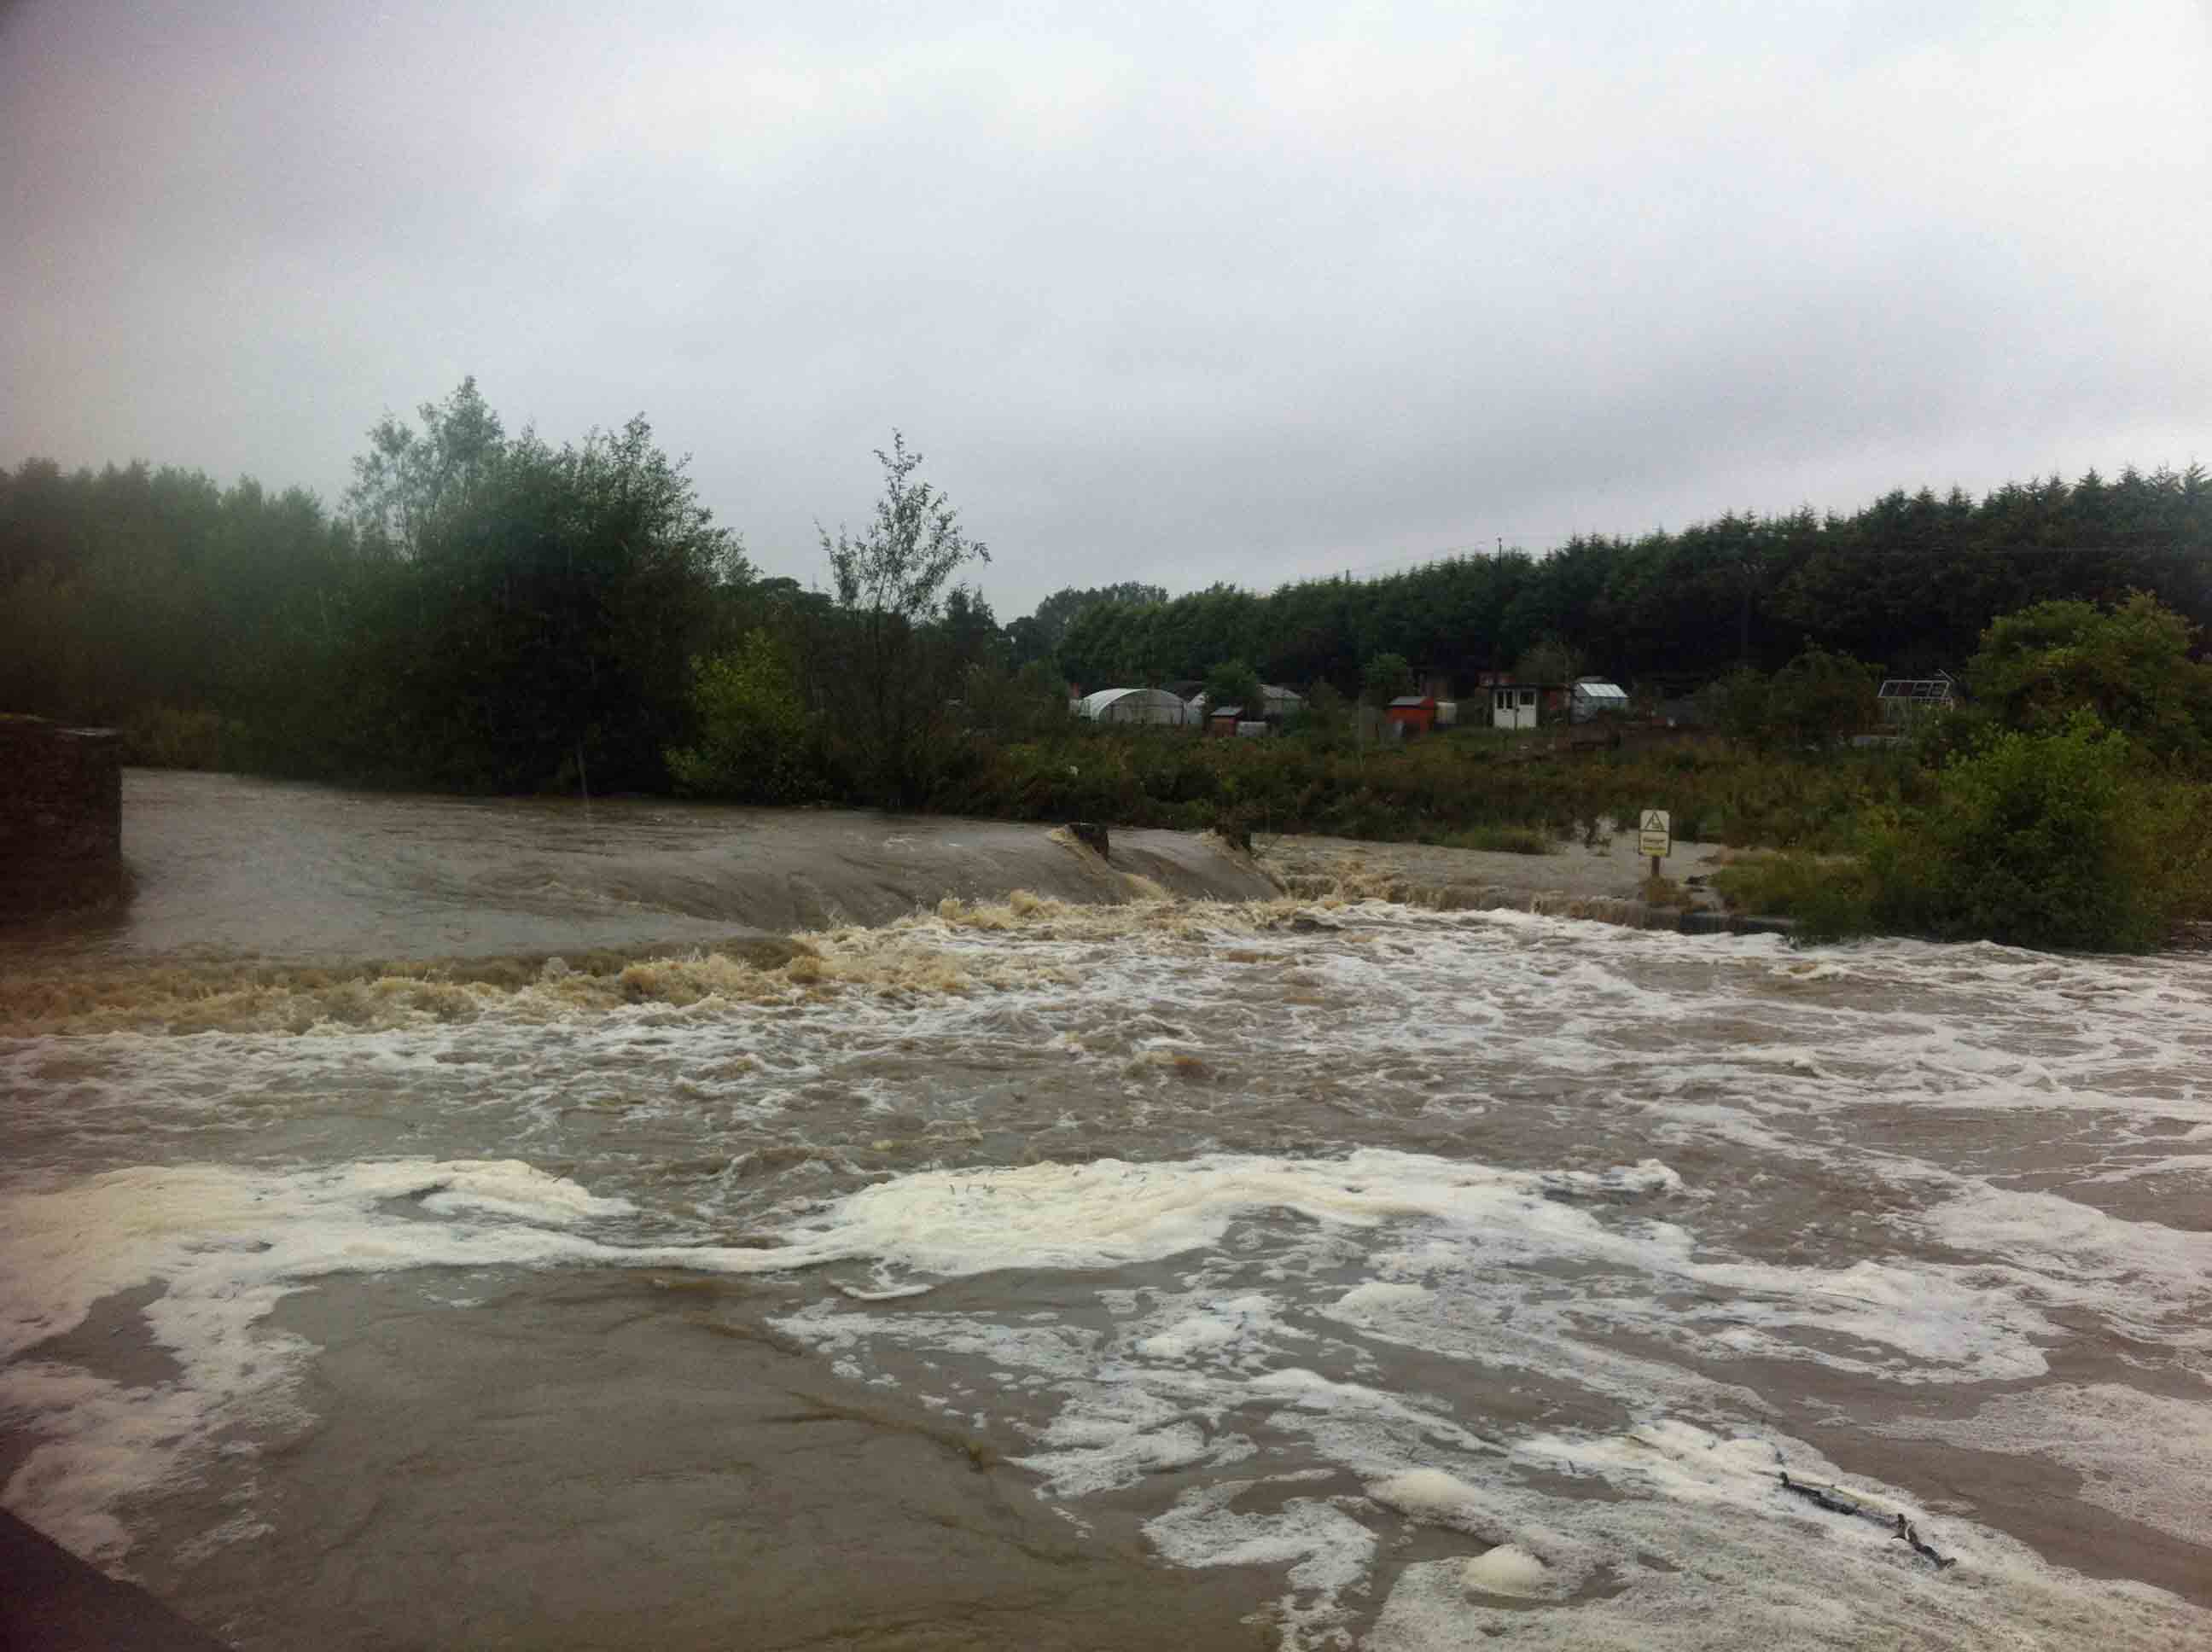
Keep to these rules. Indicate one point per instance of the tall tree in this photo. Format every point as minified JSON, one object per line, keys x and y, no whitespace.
{"x":408,"y":476}
{"x":1385,"y":678}
{"x":1233,"y":683}
{"x":890,"y":583}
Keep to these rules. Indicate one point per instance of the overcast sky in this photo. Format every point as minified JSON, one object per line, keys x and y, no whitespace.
{"x":1179,"y":292}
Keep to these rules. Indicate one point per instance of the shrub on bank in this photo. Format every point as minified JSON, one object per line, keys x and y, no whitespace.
{"x":1830,"y":897}
{"x":2053,"y":840}
{"x":757,"y":743}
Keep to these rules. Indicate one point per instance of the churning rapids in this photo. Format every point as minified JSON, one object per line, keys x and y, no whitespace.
{"x":1201,"y":1269}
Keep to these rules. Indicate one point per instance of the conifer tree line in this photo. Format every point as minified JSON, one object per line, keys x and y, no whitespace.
{"x":485,"y":611}
{"x":1908,"y":582}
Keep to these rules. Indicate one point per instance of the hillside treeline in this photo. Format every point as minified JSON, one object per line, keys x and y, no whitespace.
{"x":1910,"y":581}
{"x":484,"y":610}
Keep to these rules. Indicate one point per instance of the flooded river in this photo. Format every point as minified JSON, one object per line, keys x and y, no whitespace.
{"x":427,"y":1224}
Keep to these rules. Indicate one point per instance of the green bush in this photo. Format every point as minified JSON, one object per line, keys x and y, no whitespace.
{"x":1830,"y":896}
{"x":757,"y":743}
{"x":1501,"y":840}
{"x":2129,"y":664}
{"x":2038,"y":840}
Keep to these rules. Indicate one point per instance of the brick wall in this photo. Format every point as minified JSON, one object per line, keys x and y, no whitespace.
{"x":61,"y":816}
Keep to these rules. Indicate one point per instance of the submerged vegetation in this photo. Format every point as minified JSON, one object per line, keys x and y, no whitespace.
{"x":487,"y":612}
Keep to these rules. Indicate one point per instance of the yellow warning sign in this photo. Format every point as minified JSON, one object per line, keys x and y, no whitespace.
{"x":1656,"y":835}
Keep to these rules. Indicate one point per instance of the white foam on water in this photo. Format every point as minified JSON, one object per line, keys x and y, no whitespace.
{"x":1379,"y":1295}
{"x":1291,"y":1281}
{"x":2153,"y":1279}
{"x":1243,"y":1328}
{"x":1325,"y":1549}
{"x":1108,"y":1213}
{"x":2145,"y":1457}
{"x":225,"y":1245}
{"x":1704,"y":1552}
{"x":1508,"y":1570}
{"x":1916,"y":1324}
{"x":1701,"y":1548}
{"x":1470,"y":1264}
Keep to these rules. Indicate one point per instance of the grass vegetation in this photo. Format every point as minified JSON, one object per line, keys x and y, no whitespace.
{"x":1472,"y":790}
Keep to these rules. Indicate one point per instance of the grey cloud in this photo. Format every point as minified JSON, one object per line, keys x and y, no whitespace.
{"x":1185,"y":294}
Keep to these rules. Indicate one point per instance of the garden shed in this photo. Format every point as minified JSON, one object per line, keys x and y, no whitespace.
{"x":1414,"y":713}
{"x":1516,"y":705}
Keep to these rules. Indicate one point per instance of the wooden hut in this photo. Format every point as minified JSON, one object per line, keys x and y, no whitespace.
{"x":1414,"y":713}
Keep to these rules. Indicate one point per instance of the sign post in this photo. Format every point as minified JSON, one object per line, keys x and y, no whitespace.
{"x":1655,"y":837}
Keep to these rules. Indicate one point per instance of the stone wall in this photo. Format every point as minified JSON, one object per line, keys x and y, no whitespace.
{"x":61,"y":817}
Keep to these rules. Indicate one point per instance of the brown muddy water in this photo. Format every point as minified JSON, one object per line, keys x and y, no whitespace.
{"x":430,"y":1224}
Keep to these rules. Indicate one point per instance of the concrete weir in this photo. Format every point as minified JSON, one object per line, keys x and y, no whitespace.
{"x":61,"y":817}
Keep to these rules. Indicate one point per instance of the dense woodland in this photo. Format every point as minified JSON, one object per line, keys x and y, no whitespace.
{"x":486,"y":611}
{"x":1908,"y":582}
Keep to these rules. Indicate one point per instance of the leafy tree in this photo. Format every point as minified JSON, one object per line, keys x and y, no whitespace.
{"x":970,"y":630}
{"x":1385,"y":678}
{"x":1912,"y":579}
{"x":889,"y":582}
{"x":2129,"y":664}
{"x":1740,"y":706}
{"x":408,"y":478}
{"x":1026,"y":704}
{"x":1820,"y":698}
{"x":1233,"y":683}
{"x":1816,"y":700}
{"x":1325,"y":718}
{"x":756,"y":741}
{"x":1039,"y":636}
{"x":527,"y":614}
{"x":1551,"y":661}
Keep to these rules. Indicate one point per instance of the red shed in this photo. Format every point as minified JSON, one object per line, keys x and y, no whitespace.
{"x":1416,"y":712}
